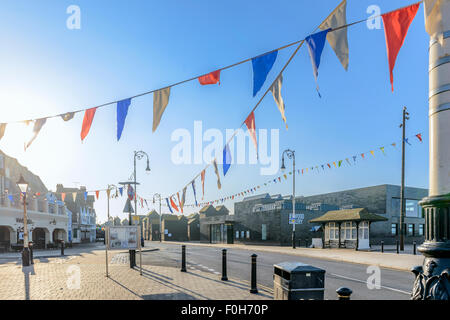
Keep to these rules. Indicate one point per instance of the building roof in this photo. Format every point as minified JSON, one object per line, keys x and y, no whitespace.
{"x":205,"y":208}
{"x":358,"y":214}
{"x":258,"y":196}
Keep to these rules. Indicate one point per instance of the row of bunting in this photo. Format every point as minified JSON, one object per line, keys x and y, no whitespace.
{"x":172,"y":205}
{"x":333,"y":29}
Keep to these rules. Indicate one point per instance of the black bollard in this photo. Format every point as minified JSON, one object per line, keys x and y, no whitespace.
{"x":398,"y":248}
{"x":253,"y":289}
{"x":62,"y":248}
{"x":30,"y":245}
{"x":183,"y":258}
{"x":414,"y":247}
{"x":344,"y":293}
{"x":224,"y":265}
{"x":382,"y":246}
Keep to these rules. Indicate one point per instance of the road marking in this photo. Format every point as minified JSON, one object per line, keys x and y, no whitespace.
{"x":361,"y":281}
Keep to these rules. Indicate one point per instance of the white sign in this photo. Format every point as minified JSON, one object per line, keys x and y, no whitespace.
{"x":299,"y":217}
{"x":166,"y":231}
{"x":123,"y":237}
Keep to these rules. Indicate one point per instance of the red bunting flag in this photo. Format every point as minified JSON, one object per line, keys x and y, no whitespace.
{"x":172,"y":203}
{"x":87,"y":121}
{"x":419,"y":136}
{"x":97,"y":193}
{"x":396,"y":25}
{"x":210,"y":78}
{"x":362,"y":155}
{"x":250,"y":122}
{"x":63,"y":196}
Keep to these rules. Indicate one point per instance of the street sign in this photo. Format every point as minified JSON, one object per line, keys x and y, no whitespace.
{"x":298,"y":219}
{"x":122,"y":237}
{"x":130,"y":192}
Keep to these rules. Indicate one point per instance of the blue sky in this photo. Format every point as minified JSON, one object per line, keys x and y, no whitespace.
{"x":128,"y":47}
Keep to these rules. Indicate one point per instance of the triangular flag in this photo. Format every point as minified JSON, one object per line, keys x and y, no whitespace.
{"x":285,"y":176}
{"x":362,"y":155}
{"x":373,"y":153}
{"x":85,"y":196}
{"x":210,"y":78}
{"x":382,"y":149}
{"x":339,"y":163}
{"x":433,"y":19}
{"x":348,"y":161}
{"x":183,"y":198}
{"x":2,"y":129}
{"x":122,"y":111}
{"x":261,"y":68}
{"x":329,"y":165}
{"x":226,"y":159}
{"x":251,"y":126}
{"x":393,"y":144}
{"x":67,"y":116}
{"x":172,"y":203}
{"x":396,"y":25}
{"x":216,"y":170}
{"x":87,"y":122}
{"x":419,"y":136}
{"x":193,"y":188}
{"x":74,"y":196}
{"x":38,"y":124}
{"x":334,"y":163}
{"x":160,"y":101}
{"x":354,"y":158}
{"x":97,"y":193}
{"x":203,"y":183}
{"x":179,"y":202}
{"x":168,"y":205}
{"x":121,"y":191}
{"x":316,"y":43}
{"x":276,"y":92}
{"x":63,"y":196}
{"x":406,"y":140}
{"x":338,"y":38}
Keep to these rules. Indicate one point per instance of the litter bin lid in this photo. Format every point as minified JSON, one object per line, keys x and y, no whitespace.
{"x":297,"y":267}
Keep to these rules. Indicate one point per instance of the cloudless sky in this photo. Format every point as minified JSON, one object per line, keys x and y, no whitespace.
{"x":128,"y":47}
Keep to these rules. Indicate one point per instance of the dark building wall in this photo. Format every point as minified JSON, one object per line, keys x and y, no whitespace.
{"x":177,"y":228}
{"x":194,"y":230}
{"x":248,"y":217}
{"x":382,"y":200}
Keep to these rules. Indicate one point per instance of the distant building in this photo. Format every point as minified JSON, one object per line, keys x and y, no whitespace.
{"x":151,"y":226}
{"x":174,"y":227}
{"x":383,"y":200}
{"x":83,"y":213}
{"x":265,"y":218}
{"x":194,"y":227}
{"x":47,"y":217}
{"x":216,"y":225}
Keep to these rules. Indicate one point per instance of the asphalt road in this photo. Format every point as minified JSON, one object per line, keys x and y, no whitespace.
{"x":394,"y":285}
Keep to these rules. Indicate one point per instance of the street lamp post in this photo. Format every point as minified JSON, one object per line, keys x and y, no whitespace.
{"x":23,"y":186}
{"x":138,"y":155}
{"x":291,"y":155}
{"x":158,"y":196}
{"x":432,"y":278}
{"x":402,"y":187}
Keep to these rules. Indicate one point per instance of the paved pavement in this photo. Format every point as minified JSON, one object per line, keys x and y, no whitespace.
{"x":394,"y":284}
{"x":82,"y":277}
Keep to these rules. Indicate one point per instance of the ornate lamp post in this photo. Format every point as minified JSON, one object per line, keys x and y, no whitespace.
{"x":291,"y":155}
{"x":139,"y":155}
{"x":433,"y":278}
{"x":23,"y":186}
{"x":158,"y":196}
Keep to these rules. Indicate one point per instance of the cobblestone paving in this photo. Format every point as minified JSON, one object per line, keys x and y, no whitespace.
{"x":83,"y":278}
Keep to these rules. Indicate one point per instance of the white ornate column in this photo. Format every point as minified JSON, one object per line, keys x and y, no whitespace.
{"x":432,"y":279}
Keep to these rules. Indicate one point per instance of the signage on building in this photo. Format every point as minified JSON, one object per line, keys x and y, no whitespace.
{"x":298,"y":219}
{"x":267,"y":207}
{"x":20,"y":220}
{"x":123,"y":237}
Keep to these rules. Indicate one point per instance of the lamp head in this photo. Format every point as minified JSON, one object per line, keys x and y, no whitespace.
{"x":282,"y":164}
{"x":148,"y":167}
{"x":22,"y":184}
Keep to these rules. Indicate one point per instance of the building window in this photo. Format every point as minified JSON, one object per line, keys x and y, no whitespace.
{"x":237,"y":234}
{"x":364,"y":230}
{"x":394,"y":229}
{"x":421,"y":229}
{"x":411,"y":229}
{"x":333,"y":231}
